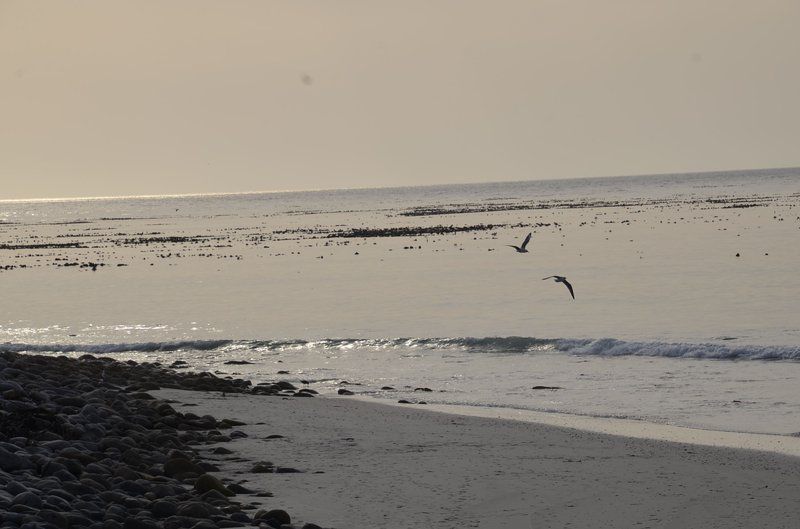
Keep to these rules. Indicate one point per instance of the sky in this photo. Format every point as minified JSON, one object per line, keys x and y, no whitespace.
{"x":102,"y":98}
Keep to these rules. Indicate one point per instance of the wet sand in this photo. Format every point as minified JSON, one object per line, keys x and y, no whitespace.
{"x":369,"y":465}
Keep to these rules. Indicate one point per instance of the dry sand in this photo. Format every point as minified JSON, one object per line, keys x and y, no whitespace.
{"x":370,"y":465}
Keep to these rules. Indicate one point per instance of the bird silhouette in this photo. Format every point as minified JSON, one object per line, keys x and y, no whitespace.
{"x":562,"y":279}
{"x":521,"y":249}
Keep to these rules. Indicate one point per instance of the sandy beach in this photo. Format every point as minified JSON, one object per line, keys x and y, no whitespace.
{"x":370,"y":465}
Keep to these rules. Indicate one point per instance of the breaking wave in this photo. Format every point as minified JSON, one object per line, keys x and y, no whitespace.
{"x":605,"y":347}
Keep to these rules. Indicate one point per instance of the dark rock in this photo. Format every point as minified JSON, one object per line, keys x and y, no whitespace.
{"x":237,"y":362}
{"x":73,"y":466}
{"x":214,"y":497}
{"x":23,"y":509}
{"x":127,"y":473}
{"x":54,"y":518}
{"x":65,"y":475}
{"x":179,"y":466}
{"x":193,"y":510}
{"x":204,"y":524}
{"x":116,"y":511}
{"x":28,"y":499}
{"x":423,"y":389}
{"x":76,"y":402}
{"x":221,"y":450}
{"x":287,"y":470}
{"x":75,"y":519}
{"x":164,"y":490}
{"x":230,"y":523}
{"x":132,"y":458}
{"x":263,"y":467}
{"x":177,"y":454}
{"x":545,"y":387}
{"x":279,"y":515}
{"x":95,"y":468}
{"x":239,"y":489}
{"x":343,"y":391}
{"x":57,"y":503}
{"x":240,"y":517}
{"x":229,"y":423}
{"x":15,"y":487}
{"x":140,"y":523}
{"x":11,"y":462}
{"x":206,"y":466}
{"x":179,"y":522}
{"x":13,"y":518}
{"x":133,"y":488}
{"x":110,"y":496}
{"x":207,"y":482}
{"x":164,"y":508}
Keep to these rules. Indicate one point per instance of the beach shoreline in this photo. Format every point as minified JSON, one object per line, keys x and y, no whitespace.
{"x":639,"y":429}
{"x":368,"y":464}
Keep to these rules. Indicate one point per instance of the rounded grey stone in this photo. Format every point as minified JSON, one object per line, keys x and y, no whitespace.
{"x":28,"y":498}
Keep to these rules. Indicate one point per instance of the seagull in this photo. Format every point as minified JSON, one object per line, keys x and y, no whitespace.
{"x":521,"y":249}
{"x":562,"y":279}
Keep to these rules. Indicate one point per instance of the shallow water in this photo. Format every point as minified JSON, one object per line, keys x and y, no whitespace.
{"x":699,"y":337}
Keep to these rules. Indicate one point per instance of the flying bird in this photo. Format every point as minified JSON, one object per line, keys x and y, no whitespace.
{"x":521,"y":249}
{"x":562,"y":279}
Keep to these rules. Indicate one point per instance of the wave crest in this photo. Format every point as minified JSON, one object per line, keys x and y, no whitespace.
{"x":606,"y":347}
{"x":613,"y":347}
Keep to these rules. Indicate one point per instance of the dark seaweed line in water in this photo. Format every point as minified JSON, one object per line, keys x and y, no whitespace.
{"x":401,"y":231}
{"x":169,"y":239}
{"x":413,"y":231}
{"x":41,"y":246}
{"x":455,"y":209}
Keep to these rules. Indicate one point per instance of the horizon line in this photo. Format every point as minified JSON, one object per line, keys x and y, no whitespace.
{"x":360,"y":188}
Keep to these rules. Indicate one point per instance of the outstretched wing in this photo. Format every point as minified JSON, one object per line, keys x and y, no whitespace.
{"x":572,"y":293}
{"x":512,"y":246}
{"x":548,"y":277}
{"x":526,"y":241}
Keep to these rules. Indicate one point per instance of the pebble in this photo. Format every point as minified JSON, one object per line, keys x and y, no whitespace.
{"x":28,"y":499}
{"x":280,"y":516}
{"x":193,"y":510}
{"x":164,"y":508}
{"x":263,"y":467}
{"x":208,"y":483}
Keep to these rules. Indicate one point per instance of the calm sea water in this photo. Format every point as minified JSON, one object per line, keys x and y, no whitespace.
{"x":415,"y":287}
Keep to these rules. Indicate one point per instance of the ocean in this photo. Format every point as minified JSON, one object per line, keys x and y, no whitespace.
{"x":686,"y":309}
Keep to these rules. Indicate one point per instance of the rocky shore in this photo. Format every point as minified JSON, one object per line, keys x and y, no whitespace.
{"x":82,"y":444}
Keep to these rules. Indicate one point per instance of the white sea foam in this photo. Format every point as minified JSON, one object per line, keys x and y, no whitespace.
{"x":608,"y":347}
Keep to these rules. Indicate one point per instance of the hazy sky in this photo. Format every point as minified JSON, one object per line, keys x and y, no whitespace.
{"x":148,"y":97}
